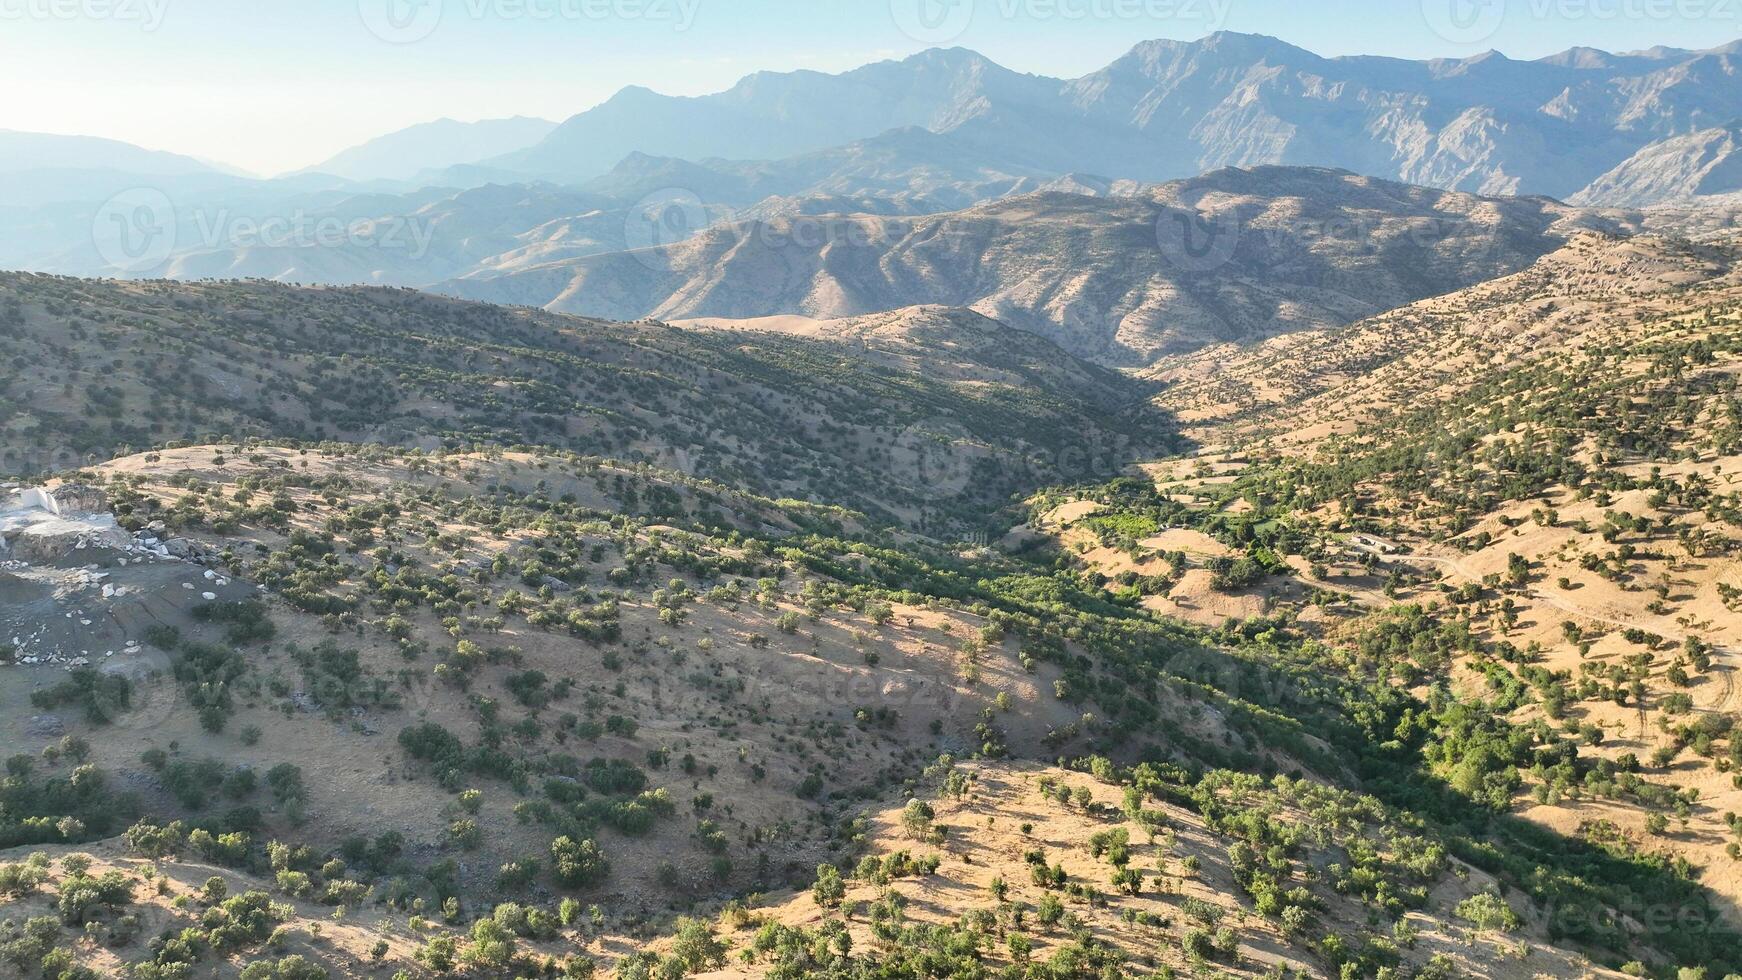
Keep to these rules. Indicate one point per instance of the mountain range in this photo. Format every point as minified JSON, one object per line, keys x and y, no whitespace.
{"x":1164,"y":110}
{"x":1171,"y":109}
{"x":25,"y":152}
{"x":947,"y":179}
{"x":1232,"y":255}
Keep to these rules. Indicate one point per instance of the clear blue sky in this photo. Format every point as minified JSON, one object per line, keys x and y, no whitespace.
{"x":272,"y":85}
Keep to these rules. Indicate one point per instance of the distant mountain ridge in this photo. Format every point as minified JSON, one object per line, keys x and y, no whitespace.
{"x":1232,"y":255}
{"x":408,"y":153}
{"x":22,"y":152}
{"x":1173,"y":109}
{"x":945,"y":130}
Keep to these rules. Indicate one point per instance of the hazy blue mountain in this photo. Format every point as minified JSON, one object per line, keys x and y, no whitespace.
{"x":771,"y":115}
{"x":1171,"y":109}
{"x":434,"y":146}
{"x":942,"y":131}
{"x":908,"y":165}
{"x":423,"y":237}
{"x":20,"y":152}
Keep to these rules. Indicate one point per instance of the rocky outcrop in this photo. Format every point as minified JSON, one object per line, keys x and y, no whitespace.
{"x":41,"y":524}
{"x":57,"y":538}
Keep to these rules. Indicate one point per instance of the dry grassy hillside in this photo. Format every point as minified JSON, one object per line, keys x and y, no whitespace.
{"x":1305,"y":387}
{"x":1522,"y":497}
{"x":1444,"y":695}
{"x":387,"y":620}
{"x":454,"y":660}
{"x":1022,"y":863}
{"x":99,"y":368}
{"x":453,"y":681}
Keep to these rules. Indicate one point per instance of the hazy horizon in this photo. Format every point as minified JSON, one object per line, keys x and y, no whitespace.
{"x":271,"y":92}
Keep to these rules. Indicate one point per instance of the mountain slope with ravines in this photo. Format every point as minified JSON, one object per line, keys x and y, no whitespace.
{"x":1231,"y":256}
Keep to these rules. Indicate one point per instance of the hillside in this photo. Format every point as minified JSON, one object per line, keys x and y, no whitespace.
{"x":1302,"y":388}
{"x":1231,"y":256}
{"x":519,"y":691}
{"x":1517,"y":501}
{"x":102,"y":365}
{"x":1183,"y":916}
{"x":454,"y":695}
